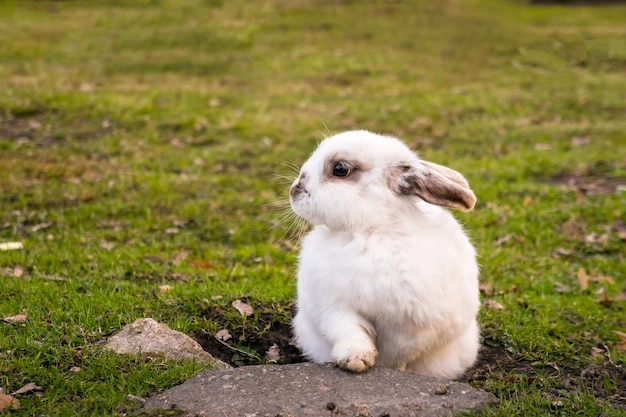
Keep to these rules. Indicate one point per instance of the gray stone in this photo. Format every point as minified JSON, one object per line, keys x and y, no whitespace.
{"x":148,"y":337}
{"x":308,"y":389}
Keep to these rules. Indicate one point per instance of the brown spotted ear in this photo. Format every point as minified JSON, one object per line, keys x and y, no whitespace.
{"x":434,"y":184}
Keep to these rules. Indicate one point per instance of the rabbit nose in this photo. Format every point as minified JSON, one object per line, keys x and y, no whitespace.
{"x":298,"y":187}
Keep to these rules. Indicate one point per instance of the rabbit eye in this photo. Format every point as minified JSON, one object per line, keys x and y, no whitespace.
{"x":341,"y":170}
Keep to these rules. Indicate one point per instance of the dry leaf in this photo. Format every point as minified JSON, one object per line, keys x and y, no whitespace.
{"x":578,"y":141}
{"x":583,"y":279}
{"x":11,"y":245}
{"x":597,"y":352}
{"x":107,"y":245}
{"x":202,"y":264}
{"x":562,"y":252}
{"x":603,"y":279}
{"x":570,"y":230}
{"x":17,"y":319}
{"x":621,"y":345}
{"x":486,"y":289}
{"x":494,"y":305}
{"x":31,"y":386}
{"x":243,"y":308}
{"x":16,"y":272}
{"x":40,"y":226}
{"x":273,"y":353}
{"x":165,"y":288}
{"x":504,"y":239}
{"x":180,"y":257}
{"x":223,"y":335}
{"x":596,"y":238}
{"x":53,"y":278}
{"x":527,"y":200}
{"x":604,"y":299}
{"x":8,"y":403}
{"x":559,"y":287}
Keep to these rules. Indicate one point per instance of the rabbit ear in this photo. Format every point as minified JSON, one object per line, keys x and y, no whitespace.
{"x":434,"y":184}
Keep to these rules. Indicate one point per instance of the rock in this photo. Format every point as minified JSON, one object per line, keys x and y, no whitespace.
{"x":307,"y":389}
{"x":149,"y":337}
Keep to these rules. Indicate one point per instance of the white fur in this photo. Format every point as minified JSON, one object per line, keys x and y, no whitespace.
{"x":383,"y":277}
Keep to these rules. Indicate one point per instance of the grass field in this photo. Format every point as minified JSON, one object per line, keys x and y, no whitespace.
{"x":143,"y":144}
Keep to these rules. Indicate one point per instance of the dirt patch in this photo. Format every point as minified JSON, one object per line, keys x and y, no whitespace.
{"x":42,"y":127}
{"x":604,"y":380}
{"x":269,"y":334}
{"x":263,"y":338}
{"x":590,"y":183}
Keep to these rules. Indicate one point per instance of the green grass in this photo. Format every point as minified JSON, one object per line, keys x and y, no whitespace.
{"x":140,"y":143}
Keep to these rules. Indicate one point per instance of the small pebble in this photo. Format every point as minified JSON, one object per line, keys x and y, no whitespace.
{"x":441,"y":390}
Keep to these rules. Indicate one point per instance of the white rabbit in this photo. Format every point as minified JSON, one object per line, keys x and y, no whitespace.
{"x":386,"y":276}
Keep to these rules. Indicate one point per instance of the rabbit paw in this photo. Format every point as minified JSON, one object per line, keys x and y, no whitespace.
{"x":354,"y":357}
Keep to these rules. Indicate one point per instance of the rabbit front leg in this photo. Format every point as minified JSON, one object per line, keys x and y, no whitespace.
{"x":352,"y":338}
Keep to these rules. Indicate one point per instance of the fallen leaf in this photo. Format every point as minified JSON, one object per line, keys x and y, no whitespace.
{"x":53,"y":278}
{"x":578,"y":141}
{"x":136,"y":399}
{"x":604,"y":299}
{"x":621,"y":345}
{"x":583,"y":279}
{"x":107,"y":245}
{"x":570,"y":230}
{"x":243,"y":308}
{"x":16,"y":272}
{"x":17,"y":319}
{"x":180,"y":257}
{"x":504,"y":239}
{"x":111,"y":224}
{"x":165,"y":288}
{"x":527,"y":200}
{"x":183,"y":222}
{"x":172,"y":230}
{"x":31,"y":386}
{"x":494,"y":305}
{"x":603,"y":279}
{"x":559,"y":287}
{"x":8,"y":403}
{"x":200,"y":263}
{"x":223,"y":335}
{"x":562,"y":252}
{"x":486,"y":289}
{"x":273,"y":353}
{"x":40,"y":226}
{"x":597,"y":352}
{"x":596,"y":238}
{"x":11,"y":245}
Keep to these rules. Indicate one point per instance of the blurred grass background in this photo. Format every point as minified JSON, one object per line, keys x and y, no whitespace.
{"x":140,"y":143}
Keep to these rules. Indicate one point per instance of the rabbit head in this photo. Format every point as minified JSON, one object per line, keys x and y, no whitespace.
{"x":357,"y":179}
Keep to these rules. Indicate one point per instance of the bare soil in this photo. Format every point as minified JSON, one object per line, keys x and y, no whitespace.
{"x":605,"y":380}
